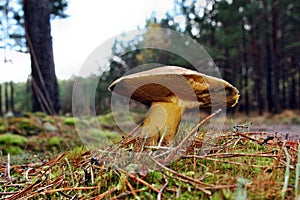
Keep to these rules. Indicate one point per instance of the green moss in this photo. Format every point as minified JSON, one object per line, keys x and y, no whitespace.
{"x":40,"y":114}
{"x":102,"y":136}
{"x":76,"y":152}
{"x":2,"y":128}
{"x":12,"y":139}
{"x":49,"y":127}
{"x":55,"y":141}
{"x":13,"y":150}
{"x":27,"y":126}
{"x":108,"y":118}
{"x":69,"y":121}
{"x":50,"y":119}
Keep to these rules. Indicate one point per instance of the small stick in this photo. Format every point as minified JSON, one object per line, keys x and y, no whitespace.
{"x":235,"y":143}
{"x":123,"y":141}
{"x":162,"y":188}
{"x":70,"y":170}
{"x":52,"y":163}
{"x":245,"y":136}
{"x":183,"y":176}
{"x":132,"y":189}
{"x":92,"y":173}
{"x":297,"y":172}
{"x":38,"y":181}
{"x":17,"y":195}
{"x":124,"y":195}
{"x":139,"y":180}
{"x":191,"y":133}
{"x":235,"y":163}
{"x":287,"y":174}
{"x":7,"y":193}
{"x":278,"y":155}
{"x":8,"y":167}
{"x":70,"y":188}
{"x":27,"y":174}
{"x":129,"y":134}
{"x":108,"y":192}
{"x":162,"y":137}
{"x":228,"y":155}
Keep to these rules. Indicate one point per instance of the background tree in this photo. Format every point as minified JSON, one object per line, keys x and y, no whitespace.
{"x":1,"y":113}
{"x":31,"y":20}
{"x":44,"y":83}
{"x":253,"y":42}
{"x":12,"y":97}
{"x":6,"y":97}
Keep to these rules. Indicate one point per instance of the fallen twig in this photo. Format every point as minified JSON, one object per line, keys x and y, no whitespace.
{"x":139,"y":180}
{"x":162,"y":188}
{"x":172,"y":154}
{"x":246,"y":136}
{"x":108,"y":192}
{"x":185,"y":177}
{"x":8,"y":167}
{"x":228,"y":155}
{"x":232,"y":162}
{"x":131,"y":189}
{"x":70,"y":188}
{"x":287,"y":174}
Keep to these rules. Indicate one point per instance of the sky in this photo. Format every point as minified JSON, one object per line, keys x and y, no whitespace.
{"x":90,"y":24}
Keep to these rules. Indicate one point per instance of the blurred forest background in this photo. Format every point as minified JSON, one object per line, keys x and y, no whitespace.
{"x":255,"y":44}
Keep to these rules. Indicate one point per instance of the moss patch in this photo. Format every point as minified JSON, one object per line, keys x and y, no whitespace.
{"x":12,"y":139}
{"x":11,"y":143}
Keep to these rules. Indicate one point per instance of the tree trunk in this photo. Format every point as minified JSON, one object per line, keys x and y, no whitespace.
{"x":269,"y":85}
{"x":257,"y":80}
{"x":257,"y":77}
{"x":298,"y":86}
{"x":245,"y":66}
{"x":12,"y":99}
{"x":293,"y":89}
{"x":6,"y":98}
{"x":276,"y":58}
{"x":1,"y":113}
{"x":213,"y":29}
{"x":44,"y":84}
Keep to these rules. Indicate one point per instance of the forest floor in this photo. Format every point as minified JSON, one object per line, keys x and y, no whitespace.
{"x":287,"y":122}
{"x":255,"y":157}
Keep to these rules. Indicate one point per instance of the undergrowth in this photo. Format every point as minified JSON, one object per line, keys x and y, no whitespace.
{"x":240,"y":165}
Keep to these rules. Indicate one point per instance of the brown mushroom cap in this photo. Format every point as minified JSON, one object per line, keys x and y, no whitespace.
{"x":191,"y":86}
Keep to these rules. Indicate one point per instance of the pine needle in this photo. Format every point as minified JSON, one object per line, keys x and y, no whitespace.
{"x":71,"y":172}
{"x":287,"y":174}
{"x":297,"y":173}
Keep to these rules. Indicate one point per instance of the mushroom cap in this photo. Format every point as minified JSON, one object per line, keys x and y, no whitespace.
{"x":163,"y":83}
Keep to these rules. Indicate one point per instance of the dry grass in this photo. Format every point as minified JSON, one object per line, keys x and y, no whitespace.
{"x":240,"y":163}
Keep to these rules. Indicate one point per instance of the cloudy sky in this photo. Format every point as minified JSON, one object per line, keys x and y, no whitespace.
{"x":91,"y":23}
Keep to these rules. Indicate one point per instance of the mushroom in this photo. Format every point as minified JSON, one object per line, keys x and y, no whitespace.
{"x":169,"y":91}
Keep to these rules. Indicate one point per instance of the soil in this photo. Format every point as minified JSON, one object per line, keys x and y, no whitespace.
{"x":293,"y":130}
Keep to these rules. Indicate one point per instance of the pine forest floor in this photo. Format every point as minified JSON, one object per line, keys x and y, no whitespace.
{"x":42,"y":157}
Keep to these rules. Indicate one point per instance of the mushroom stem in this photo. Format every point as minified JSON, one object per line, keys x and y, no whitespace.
{"x":162,"y":116}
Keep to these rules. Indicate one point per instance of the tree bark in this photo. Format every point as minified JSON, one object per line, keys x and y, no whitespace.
{"x":276,"y":58}
{"x":38,"y":34}
{"x":12,"y":99}
{"x":293,"y":89}
{"x":269,"y":85}
{"x":245,"y":66}
{"x":298,"y":87}
{"x":6,"y":98}
{"x":255,"y":55}
{"x":1,"y":113}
